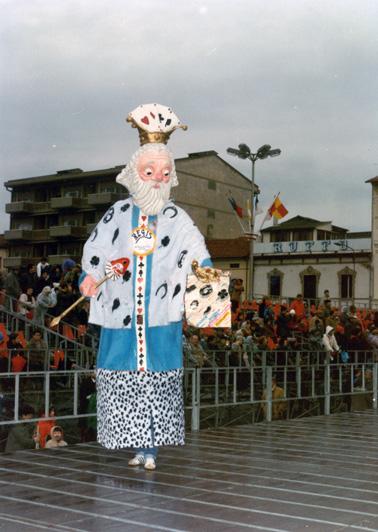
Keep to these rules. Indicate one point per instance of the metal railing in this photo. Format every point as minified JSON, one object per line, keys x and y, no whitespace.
{"x":206,"y":390}
{"x":81,"y":351}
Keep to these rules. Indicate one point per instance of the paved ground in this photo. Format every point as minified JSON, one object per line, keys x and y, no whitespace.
{"x":312,"y":474}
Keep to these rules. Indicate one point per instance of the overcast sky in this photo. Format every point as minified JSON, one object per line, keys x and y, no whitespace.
{"x":300,"y":75}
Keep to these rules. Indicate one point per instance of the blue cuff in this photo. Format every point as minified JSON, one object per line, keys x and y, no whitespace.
{"x":207,"y":263}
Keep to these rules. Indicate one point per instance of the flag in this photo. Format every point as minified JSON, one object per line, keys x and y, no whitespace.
{"x":277,"y":209}
{"x":235,"y":206}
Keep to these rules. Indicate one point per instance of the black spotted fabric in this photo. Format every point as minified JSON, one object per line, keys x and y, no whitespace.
{"x":127,"y":401}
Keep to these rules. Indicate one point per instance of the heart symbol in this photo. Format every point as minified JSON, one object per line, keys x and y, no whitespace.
{"x":141,"y":341}
{"x":141,"y":369}
{"x":141,"y":349}
{"x":144,"y":218}
{"x":145,"y":120}
{"x":139,"y":288}
{"x":139,"y":311}
{"x":140,"y":279}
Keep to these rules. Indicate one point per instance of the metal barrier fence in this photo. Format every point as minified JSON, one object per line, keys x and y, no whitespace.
{"x":205,"y":389}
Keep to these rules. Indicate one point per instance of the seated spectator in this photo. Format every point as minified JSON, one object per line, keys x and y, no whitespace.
{"x":45,"y":300}
{"x":26,"y":303}
{"x":37,"y":352}
{"x":56,"y":440}
{"x":197,"y":354}
{"x":22,"y":435}
{"x":56,"y":274}
{"x":299,"y":307}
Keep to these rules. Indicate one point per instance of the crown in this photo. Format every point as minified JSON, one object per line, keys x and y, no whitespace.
{"x":155,"y":123}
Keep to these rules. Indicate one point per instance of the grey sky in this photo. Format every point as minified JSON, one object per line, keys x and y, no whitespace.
{"x":297,"y":74}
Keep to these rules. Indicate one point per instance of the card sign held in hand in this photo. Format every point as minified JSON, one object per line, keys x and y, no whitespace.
{"x":207,"y":303}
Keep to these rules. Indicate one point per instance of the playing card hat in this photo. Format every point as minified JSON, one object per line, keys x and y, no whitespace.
{"x":154,"y":122}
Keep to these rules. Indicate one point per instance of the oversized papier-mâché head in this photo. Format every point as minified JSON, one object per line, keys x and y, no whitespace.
{"x":151,"y":173}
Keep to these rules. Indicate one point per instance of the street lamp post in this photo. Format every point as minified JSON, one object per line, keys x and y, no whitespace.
{"x":244,"y":152}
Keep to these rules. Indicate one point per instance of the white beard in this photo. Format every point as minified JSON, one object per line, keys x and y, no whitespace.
{"x":150,"y":200}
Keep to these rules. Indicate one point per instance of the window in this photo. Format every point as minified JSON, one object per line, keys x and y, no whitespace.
{"x":275,"y":278}
{"x":72,"y":193}
{"x":234,"y":265}
{"x":302,"y":234}
{"x":211,"y":185}
{"x":275,"y":285}
{"x":346,"y":281}
{"x":280,"y":236}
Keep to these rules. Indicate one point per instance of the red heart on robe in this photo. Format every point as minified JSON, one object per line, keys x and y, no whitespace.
{"x":141,"y":341}
{"x":140,"y":279}
{"x":139,"y":288}
{"x":144,"y":218}
{"x":140,"y":311}
{"x":145,"y":120}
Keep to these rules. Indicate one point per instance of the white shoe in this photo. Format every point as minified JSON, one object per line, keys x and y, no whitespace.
{"x":150,"y":463}
{"x":137,"y":460}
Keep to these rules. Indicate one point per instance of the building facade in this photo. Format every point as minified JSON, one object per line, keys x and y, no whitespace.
{"x":53,"y":215}
{"x":304,"y":256}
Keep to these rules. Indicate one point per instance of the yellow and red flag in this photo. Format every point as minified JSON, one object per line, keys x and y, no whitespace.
{"x":277,"y":209}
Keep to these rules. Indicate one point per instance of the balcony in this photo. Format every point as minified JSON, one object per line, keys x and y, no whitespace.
{"x":15,"y":262}
{"x":40,"y":235}
{"x":68,"y":231}
{"x":103,"y":198}
{"x":67,"y":202}
{"x":18,"y":234}
{"x":18,"y":207}
{"x":59,"y":259}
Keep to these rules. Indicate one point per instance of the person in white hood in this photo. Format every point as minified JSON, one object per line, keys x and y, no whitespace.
{"x":330,"y":344}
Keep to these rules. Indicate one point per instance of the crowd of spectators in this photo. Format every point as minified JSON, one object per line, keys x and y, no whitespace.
{"x":278,"y":327}
{"x":37,"y":294}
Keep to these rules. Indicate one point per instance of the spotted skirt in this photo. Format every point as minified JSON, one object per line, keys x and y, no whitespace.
{"x":130,"y":403}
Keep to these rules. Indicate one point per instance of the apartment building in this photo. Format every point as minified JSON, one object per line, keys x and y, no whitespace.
{"x":53,"y":215}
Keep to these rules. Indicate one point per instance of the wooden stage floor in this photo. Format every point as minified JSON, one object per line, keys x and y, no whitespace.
{"x":312,"y":474}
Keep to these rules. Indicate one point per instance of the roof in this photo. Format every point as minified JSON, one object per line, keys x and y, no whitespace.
{"x":78,"y":174}
{"x":228,"y":248}
{"x":61,"y":175}
{"x":300,"y":222}
{"x":372,"y":180}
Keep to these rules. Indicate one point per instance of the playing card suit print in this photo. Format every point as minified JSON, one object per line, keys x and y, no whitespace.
{"x":125,"y":207}
{"x":171,"y":208}
{"x":165,"y":241}
{"x":145,"y":120}
{"x":177,"y":290}
{"x":127,"y":320}
{"x":126,"y":277}
{"x":164,"y":287}
{"x":116,"y":304}
{"x":109,"y":215}
{"x":94,"y":235}
{"x":115,"y":235}
{"x":95,"y":261}
{"x":181,"y":257}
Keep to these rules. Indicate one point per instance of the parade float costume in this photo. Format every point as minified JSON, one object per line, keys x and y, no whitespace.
{"x":139,"y":365}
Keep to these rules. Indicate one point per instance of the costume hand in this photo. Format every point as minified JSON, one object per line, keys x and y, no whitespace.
{"x":88,"y":286}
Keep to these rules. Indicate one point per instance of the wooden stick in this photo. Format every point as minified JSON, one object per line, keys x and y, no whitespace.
{"x":56,"y":320}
